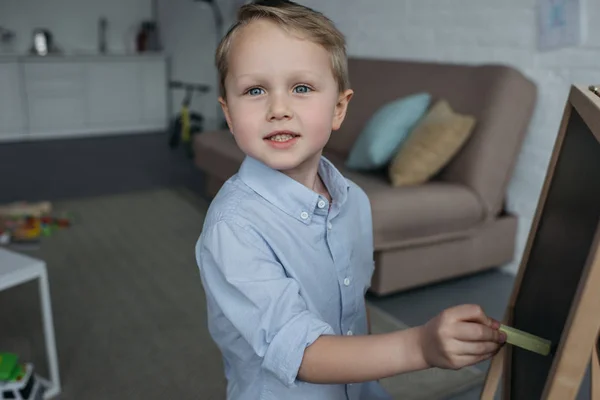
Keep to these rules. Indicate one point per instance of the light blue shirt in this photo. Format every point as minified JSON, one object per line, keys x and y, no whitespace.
{"x":280,"y":267}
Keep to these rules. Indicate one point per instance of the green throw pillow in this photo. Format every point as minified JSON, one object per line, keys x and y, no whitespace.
{"x":386,"y":131}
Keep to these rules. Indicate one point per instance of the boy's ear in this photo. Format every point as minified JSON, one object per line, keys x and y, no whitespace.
{"x":225,"y":109}
{"x":340,"y":108}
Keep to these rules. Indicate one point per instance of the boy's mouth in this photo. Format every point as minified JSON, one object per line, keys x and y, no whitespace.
{"x":281,"y":136}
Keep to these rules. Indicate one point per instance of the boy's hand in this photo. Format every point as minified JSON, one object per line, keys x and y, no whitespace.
{"x":460,"y":336}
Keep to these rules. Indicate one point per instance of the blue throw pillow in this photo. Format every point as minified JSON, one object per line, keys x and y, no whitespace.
{"x":385,"y":132}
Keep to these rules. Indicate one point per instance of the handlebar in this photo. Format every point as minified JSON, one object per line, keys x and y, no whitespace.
{"x":199,"y":87}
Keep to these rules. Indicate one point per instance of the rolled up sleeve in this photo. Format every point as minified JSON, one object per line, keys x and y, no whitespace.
{"x":242,"y":275}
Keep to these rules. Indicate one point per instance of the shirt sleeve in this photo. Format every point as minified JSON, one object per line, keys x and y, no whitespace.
{"x":252,"y":290}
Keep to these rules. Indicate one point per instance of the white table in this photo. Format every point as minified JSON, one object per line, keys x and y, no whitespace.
{"x":16,"y":269}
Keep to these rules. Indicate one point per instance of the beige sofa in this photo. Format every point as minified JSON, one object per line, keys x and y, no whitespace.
{"x":456,"y":223}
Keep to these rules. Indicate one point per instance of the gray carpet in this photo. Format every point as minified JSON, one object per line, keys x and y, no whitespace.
{"x":129,"y":309}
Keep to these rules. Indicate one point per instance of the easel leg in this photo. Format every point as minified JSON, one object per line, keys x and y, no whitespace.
{"x":595,"y":378}
{"x":493,"y":376}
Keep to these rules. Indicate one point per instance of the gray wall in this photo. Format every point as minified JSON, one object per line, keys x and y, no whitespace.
{"x":74,"y":22}
{"x":73,"y":168}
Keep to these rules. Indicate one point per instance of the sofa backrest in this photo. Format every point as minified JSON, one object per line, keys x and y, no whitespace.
{"x":500,"y":97}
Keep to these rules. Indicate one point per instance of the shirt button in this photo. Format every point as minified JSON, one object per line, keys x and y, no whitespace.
{"x":321,"y":204}
{"x":347,"y":281}
{"x":329,"y":226}
{"x":350,"y":333}
{"x":304,"y":215}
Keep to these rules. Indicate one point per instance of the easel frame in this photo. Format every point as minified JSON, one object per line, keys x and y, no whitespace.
{"x":581,"y":332}
{"x":595,"y":381}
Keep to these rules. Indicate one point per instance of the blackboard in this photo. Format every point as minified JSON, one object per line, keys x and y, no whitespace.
{"x":561,"y":247}
{"x":552,"y":297}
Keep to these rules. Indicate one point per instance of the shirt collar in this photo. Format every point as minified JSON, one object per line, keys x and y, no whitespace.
{"x":289,"y":195}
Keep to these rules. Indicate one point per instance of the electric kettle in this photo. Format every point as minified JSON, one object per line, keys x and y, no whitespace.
{"x":43,"y":43}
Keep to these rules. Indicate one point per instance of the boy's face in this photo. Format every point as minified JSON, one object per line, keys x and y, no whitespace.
{"x":282,"y":98}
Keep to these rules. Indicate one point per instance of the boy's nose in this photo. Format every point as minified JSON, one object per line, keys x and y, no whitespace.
{"x":279,"y":108}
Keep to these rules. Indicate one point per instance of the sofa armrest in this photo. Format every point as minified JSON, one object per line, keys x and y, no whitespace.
{"x":487,"y":161}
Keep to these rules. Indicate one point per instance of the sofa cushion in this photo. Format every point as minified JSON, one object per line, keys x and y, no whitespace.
{"x":415,"y":212}
{"x":386,"y":130}
{"x":431,"y":145}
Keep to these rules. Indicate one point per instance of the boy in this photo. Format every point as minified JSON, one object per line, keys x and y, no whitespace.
{"x":286,"y":252}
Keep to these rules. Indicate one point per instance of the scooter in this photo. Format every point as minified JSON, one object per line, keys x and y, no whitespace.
{"x":187,"y":123}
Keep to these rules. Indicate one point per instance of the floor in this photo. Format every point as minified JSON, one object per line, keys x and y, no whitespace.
{"x":490,"y":289}
{"x":59,"y":169}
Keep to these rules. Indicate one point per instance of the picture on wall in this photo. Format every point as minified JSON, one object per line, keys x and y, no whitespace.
{"x":561,"y":23}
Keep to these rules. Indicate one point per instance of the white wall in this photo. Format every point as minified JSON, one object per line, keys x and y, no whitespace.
{"x":477,"y":31}
{"x":190,"y":37}
{"x":74,"y":23}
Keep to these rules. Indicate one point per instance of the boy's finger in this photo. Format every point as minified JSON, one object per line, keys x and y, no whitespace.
{"x":475,"y":332}
{"x":473,"y":313}
{"x":479,"y":348}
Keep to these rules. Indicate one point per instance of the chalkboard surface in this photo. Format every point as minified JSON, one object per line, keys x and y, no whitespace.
{"x":559,"y":251}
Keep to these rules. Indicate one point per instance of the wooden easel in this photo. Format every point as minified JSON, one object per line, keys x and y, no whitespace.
{"x":580,"y":339}
{"x":596,"y":371}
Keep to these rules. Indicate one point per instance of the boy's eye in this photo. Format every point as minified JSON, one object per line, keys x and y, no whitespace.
{"x":254,"y":91}
{"x":302,"y":89}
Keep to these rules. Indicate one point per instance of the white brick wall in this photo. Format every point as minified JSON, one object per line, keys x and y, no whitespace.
{"x":476,"y":31}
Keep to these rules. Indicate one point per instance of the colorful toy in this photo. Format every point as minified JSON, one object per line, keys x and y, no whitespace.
{"x":9,"y":366}
{"x":26,"y":223}
{"x":29,"y":229}
{"x":19,"y":209}
{"x":17,"y":380}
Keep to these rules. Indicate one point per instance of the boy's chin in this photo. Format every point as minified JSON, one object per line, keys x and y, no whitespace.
{"x":283,"y":165}
{"x":288,"y":162}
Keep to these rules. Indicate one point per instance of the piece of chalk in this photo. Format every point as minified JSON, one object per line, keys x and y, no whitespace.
{"x":526,"y":340}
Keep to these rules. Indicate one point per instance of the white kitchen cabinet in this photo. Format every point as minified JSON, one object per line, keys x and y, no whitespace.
{"x":114,"y":93}
{"x":12,"y":116}
{"x":79,"y":96}
{"x":55,"y":93}
{"x":154,"y":94}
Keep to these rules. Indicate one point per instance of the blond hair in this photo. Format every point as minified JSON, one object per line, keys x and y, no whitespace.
{"x":293,"y":18}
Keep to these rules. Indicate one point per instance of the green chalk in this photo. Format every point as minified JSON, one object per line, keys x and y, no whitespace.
{"x":526,"y":340}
